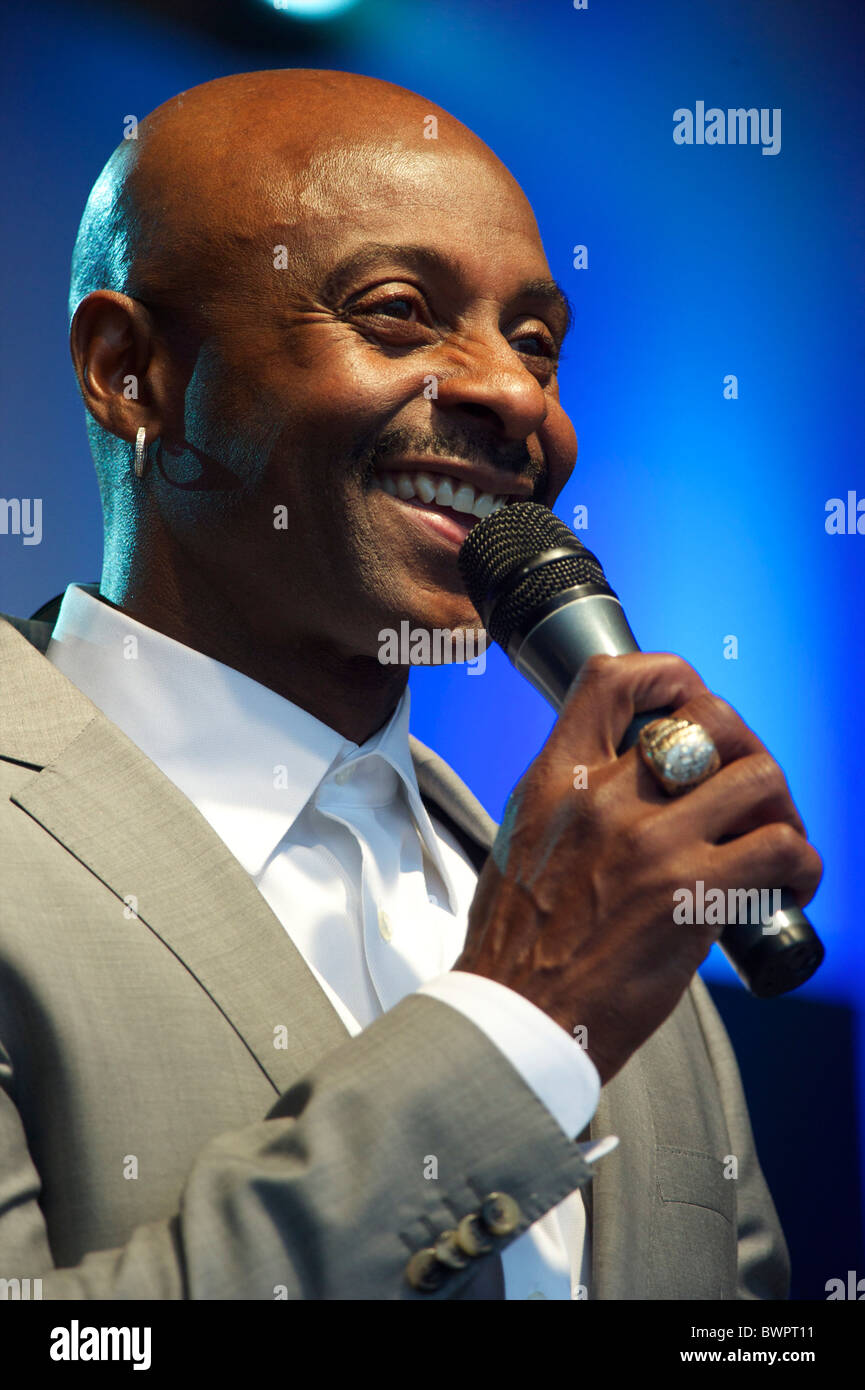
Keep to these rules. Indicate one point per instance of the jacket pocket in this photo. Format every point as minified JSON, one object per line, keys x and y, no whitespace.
{"x":696,"y":1178}
{"x":694,"y":1230}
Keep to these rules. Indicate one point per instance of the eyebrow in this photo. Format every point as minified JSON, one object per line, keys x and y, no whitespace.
{"x":427,"y":259}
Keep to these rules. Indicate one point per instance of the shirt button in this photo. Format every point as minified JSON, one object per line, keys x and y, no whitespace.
{"x":342,"y":777}
{"x":433,"y":899}
{"x":384,"y":926}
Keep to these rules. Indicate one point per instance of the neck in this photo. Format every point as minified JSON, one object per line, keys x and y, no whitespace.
{"x":350,"y":693}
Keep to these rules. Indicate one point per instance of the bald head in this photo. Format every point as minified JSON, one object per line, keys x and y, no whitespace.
{"x":233,"y":167}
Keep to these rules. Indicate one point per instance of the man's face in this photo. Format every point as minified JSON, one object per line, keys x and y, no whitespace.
{"x":410,"y":335}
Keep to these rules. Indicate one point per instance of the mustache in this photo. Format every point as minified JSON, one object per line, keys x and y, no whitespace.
{"x":512,"y":456}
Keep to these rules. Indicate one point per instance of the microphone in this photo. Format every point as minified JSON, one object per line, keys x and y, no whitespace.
{"x":545,"y":599}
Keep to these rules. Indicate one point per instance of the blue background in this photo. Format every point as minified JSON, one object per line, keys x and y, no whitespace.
{"x":707,"y":514}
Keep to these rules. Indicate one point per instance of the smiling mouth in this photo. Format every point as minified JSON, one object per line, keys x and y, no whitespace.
{"x":452,"y":505}
{"x":442,"y":492}
{"x":440,"y":496}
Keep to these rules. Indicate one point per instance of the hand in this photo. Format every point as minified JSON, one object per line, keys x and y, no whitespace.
{"x":574,"y":907}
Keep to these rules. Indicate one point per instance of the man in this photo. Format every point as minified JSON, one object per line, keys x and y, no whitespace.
{"x":273,"y":1022}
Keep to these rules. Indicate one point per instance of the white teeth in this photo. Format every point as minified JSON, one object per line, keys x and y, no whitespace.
{"x":424,"y":487}
{"x":445,"y":493}
{"x":464,"y":498}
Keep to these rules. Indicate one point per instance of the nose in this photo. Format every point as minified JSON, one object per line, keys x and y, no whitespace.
{"x":488,"y":382}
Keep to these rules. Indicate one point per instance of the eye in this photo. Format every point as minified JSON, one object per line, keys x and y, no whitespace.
{"x":396,"y":318}
{"x":541,"y":352}
{"x":400,"y":307}
{"x":393,"y":306}
{"x":540,"y":345}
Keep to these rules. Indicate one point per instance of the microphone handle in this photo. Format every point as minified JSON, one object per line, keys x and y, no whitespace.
{"x":771,"y":956}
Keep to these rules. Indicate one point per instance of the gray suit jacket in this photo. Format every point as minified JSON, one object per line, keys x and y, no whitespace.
{"x":184,"y":1116}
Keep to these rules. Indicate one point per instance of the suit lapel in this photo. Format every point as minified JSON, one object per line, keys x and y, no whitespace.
{"x":97,"y":794}
{"x":453,"y":803}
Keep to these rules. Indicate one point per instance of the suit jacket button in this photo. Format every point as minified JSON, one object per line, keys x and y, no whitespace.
{"x":471,"y":1236}
{"x":424,"y":1271}
{"x":500,"y":1214}
{"x":448,"y":1251}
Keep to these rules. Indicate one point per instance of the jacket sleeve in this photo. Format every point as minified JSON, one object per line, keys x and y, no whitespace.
{"x":763,"y":1257}
{"x":389,"y":1141}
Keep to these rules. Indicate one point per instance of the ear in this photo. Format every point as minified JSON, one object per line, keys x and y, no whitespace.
{"x":123,"y":367}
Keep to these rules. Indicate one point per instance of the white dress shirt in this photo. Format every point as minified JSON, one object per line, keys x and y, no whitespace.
{"x":373,"y":891}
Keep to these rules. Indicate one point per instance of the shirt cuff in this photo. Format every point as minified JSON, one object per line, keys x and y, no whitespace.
{"x":552,"y":1064}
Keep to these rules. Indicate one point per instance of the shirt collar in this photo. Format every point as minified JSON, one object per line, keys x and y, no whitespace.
{"x":391,"y":743}
{"x":247,"y":758}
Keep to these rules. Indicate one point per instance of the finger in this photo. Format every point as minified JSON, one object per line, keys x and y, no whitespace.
{"x":773,"y":856}
{"x":746,"y":793}
{"x":731,"y":735}
{"x":610,"y":691}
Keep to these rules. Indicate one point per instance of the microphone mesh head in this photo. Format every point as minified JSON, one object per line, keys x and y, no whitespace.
{"x":504,"y":542}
